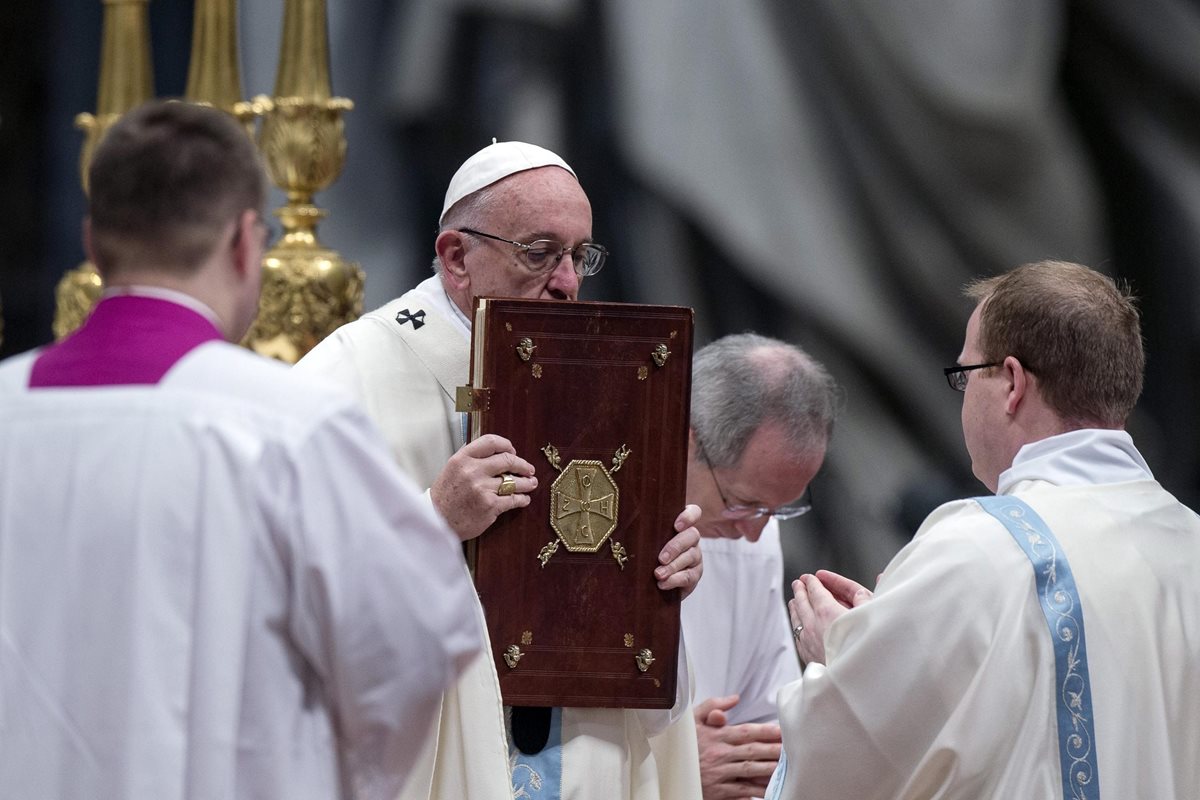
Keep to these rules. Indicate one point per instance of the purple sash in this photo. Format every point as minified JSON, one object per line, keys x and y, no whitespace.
{"x":128,"y":339}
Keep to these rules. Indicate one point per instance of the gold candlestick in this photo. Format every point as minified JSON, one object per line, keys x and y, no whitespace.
{"x":214,"y":77}
{"x":308,"y":290}
{"x":126,"y":74}
{"x":126,"y":80}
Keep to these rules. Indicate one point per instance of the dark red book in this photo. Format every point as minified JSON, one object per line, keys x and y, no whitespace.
{"x":596,"y":396}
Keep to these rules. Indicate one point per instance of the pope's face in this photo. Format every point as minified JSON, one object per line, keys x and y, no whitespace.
{"x":544,"y":203}
{"x":768,"y":475}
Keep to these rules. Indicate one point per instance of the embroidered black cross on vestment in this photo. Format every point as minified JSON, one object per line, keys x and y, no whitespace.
{"x":417,"y":319}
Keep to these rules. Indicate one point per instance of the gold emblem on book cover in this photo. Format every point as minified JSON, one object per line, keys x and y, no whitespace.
{"x":583,"y":506}
{"x":584,"y":500}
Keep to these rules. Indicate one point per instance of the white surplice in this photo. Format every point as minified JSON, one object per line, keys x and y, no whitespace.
{"x":216,"y":586}
{"x":403,"y":362}
{"x":943,"y":684}
{"x":736,"y":626}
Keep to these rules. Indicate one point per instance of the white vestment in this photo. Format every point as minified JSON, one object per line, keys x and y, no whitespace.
{"x":943,"y":684}
{"x":215,"y":586}
{"x":404,"y":365}
{"x":736,"y":626}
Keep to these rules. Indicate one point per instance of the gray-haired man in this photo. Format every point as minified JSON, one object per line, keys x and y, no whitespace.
{"x":762,"y":411}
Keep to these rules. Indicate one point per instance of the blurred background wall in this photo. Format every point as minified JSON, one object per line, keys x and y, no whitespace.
{"x":826,"y":171}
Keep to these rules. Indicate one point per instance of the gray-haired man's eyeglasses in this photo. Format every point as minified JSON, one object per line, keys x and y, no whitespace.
{"x":543,"y":255}
{"x":957,"y":376}
{"x":738,"y":511}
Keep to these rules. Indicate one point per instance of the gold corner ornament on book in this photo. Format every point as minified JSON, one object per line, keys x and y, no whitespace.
{"x":596,"y":396}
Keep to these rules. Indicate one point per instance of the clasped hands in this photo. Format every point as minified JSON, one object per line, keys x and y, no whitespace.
{"x":465,"y":493}
{"x":736,"y":761}
{"x":817,"y":601}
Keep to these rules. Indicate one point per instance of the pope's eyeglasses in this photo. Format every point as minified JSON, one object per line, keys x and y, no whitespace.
{"x":543,"y":255}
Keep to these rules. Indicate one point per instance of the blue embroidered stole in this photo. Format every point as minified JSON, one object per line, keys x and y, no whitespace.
{"x":539,"y":776}
{"x":1059,"y":599}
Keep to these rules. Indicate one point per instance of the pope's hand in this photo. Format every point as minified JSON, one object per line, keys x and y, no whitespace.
{"x":467,"y":491}
{"x":680,"y":565}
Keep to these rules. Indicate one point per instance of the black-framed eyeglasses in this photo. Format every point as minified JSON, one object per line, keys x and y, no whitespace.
{"x":957,"y":376}
{"x":738,"y":511}
{"x":543,"y":255}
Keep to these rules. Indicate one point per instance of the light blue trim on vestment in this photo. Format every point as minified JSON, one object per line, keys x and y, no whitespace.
{"x":1061,"y":606}
{"x":775,"y":787}
{"x":539,"y":777}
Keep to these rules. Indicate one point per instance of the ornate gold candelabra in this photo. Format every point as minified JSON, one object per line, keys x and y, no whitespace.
{"x":126,"y":80}
{"x":308,"y":290}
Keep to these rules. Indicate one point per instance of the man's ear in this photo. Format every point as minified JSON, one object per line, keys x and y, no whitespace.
{"x":246,"y":250}
{"x":1019,"y":384}
{"x":451,"y":249}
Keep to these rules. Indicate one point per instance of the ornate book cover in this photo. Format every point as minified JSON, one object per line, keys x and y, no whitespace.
{"x":596,"y":396}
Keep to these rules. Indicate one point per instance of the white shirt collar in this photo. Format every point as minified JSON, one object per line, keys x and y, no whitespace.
{"x":434,"y":292}
{"x":170,"y":295}
{"x":1077,"y":458}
